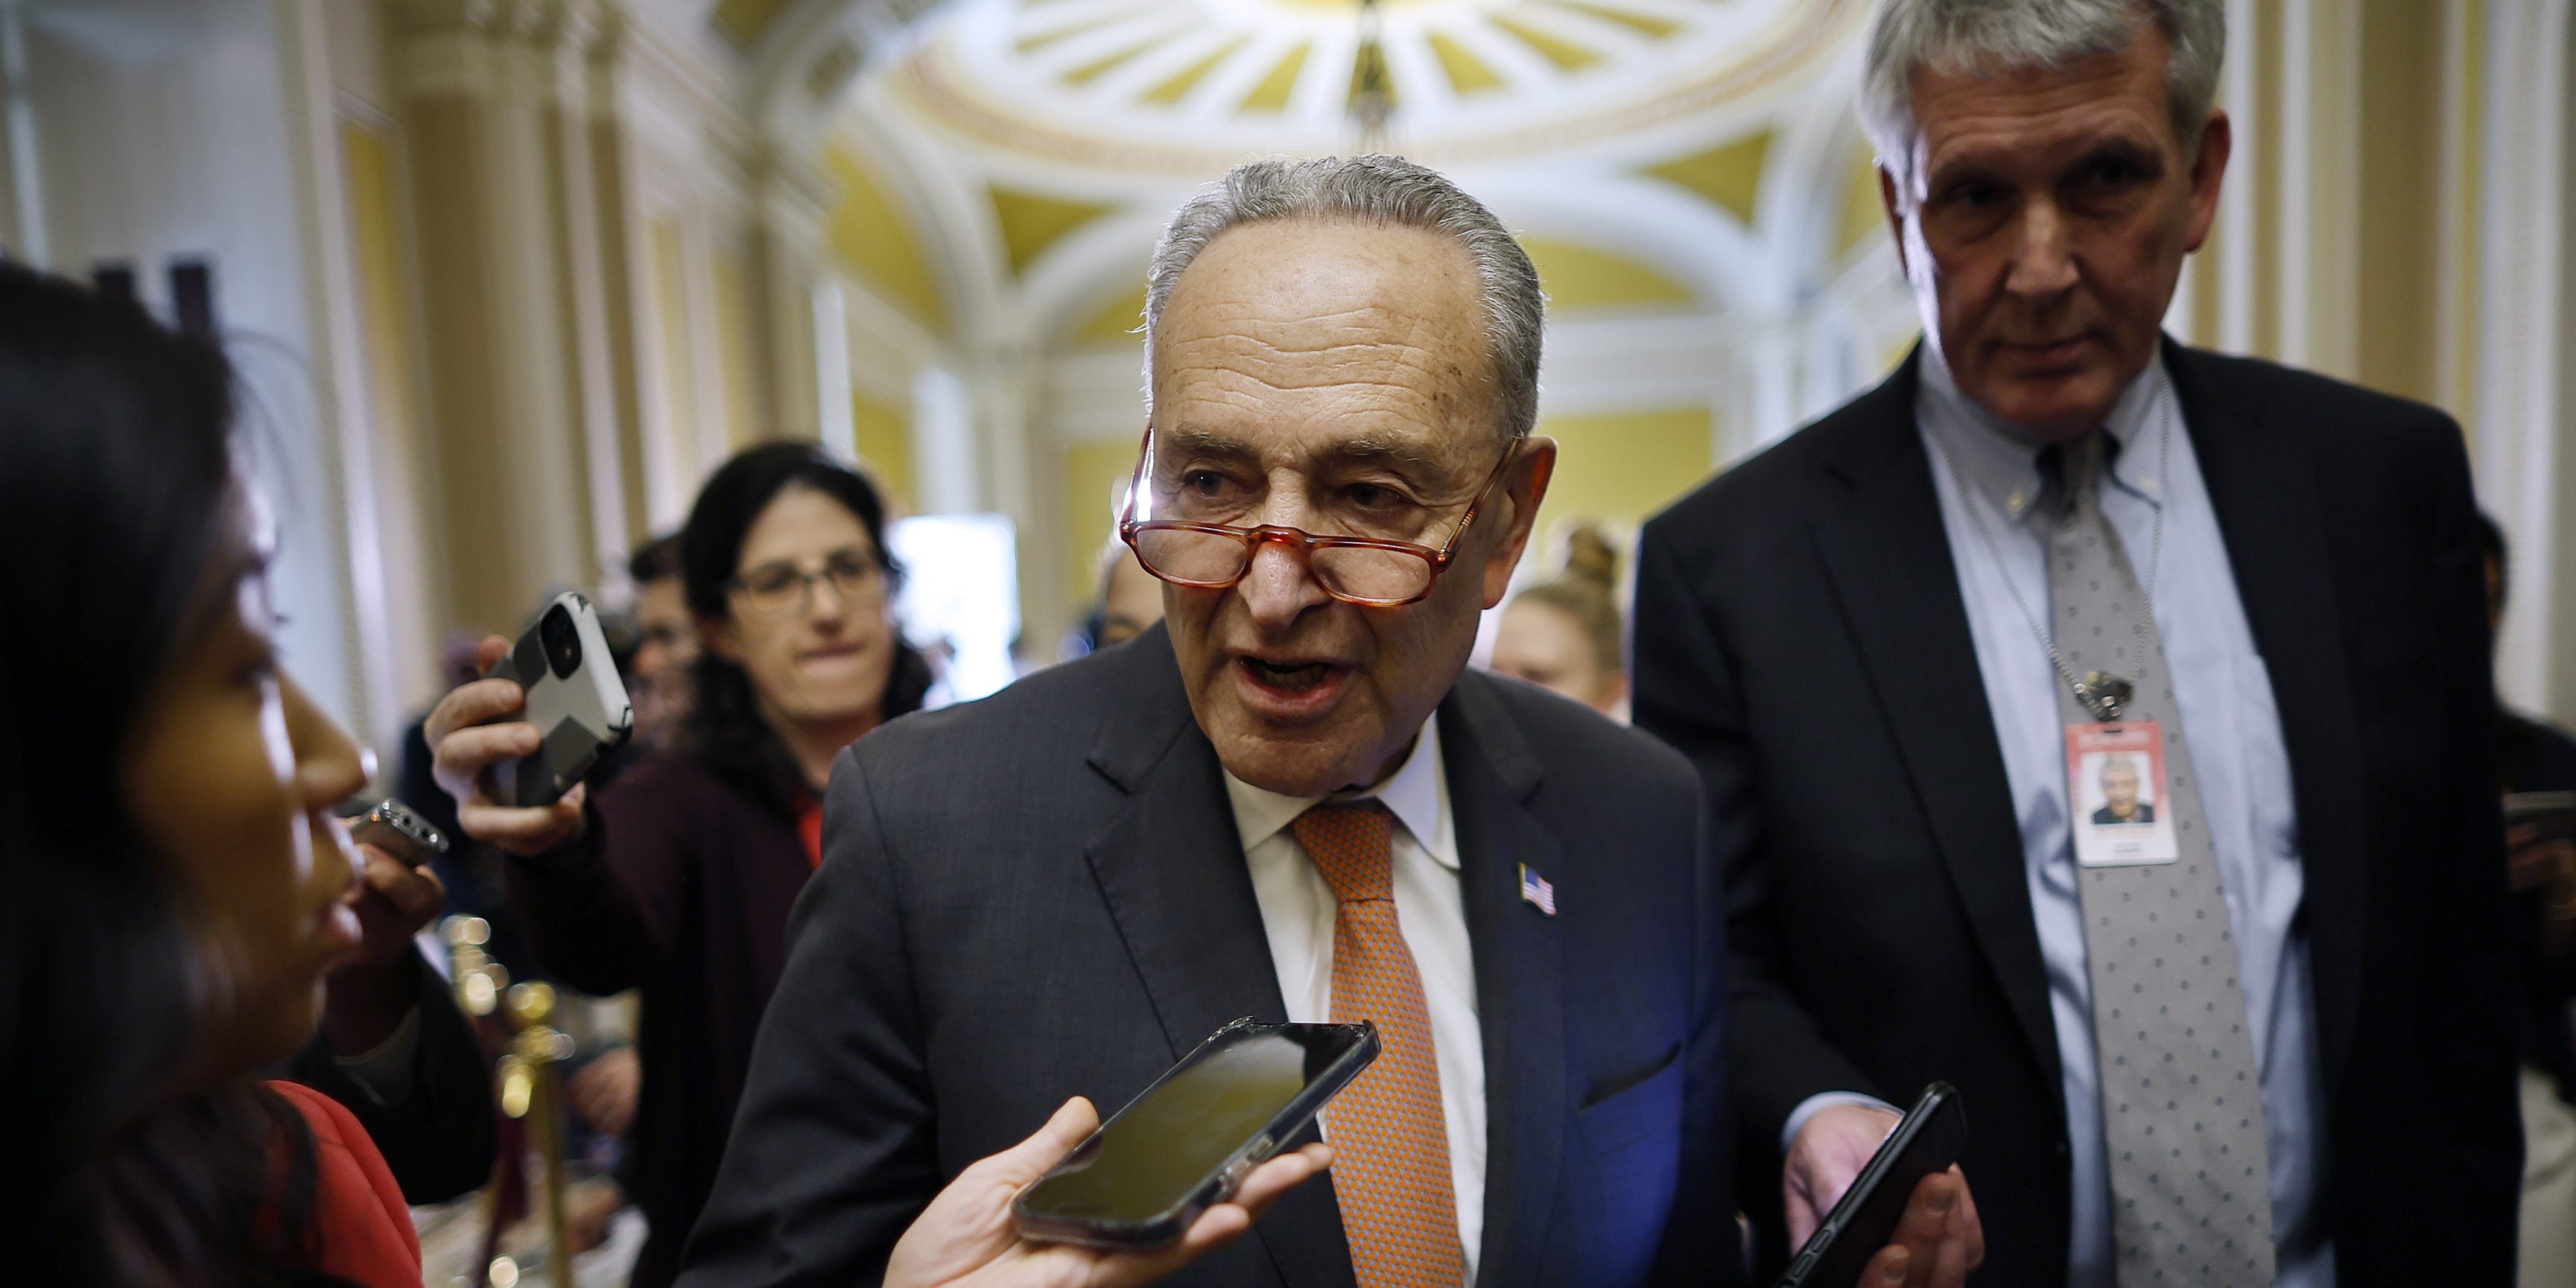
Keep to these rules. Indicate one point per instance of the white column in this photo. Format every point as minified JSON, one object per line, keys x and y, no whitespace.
{"x":339,"y":394}
{"x":2522,"y":317}
{"x":833,"y":415}
{"x":575,"y":38}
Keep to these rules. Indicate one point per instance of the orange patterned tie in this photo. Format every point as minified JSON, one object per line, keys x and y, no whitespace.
{"x":1390,"y":1141}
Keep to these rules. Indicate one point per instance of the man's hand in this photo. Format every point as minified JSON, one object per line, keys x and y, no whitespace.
{"x":1825,"y":1159}
{"x":368,"y":995}
{"x":1939,"y":1240}
{"x":604,"y":1092}
{"x":965,"y":1239}
{"x":1937,"y":1243}
{"x":464,"y":741}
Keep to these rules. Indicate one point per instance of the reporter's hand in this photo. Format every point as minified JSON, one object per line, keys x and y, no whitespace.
{"x":368,"y":995}
{"x":1937,"y":1243}
{"x":965,"y":1238}
{"x":393,"y":901}
{"x":1827,"y":1156}
{"x":464,"y":740}
{"x":604,"y":1092}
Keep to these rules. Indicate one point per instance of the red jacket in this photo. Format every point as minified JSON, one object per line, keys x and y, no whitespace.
{"x":358,"y":1212}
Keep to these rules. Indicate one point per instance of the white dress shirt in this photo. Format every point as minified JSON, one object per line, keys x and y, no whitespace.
{"x":1297,"y":910}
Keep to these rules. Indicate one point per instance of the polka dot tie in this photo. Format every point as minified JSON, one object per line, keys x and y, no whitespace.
{"x":1390,"y":1140}
{"x":2182,"y":1101}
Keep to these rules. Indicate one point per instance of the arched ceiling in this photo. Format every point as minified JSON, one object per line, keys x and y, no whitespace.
{"x":1187,"y":87}
{"x":1014,"y":158}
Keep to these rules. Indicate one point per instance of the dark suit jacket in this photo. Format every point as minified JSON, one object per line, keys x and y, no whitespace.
{"x":1801,"y":637}
{"x":439,"y":1140}
{"x":1042,"y":895}
{"x":2142,"y":814}
{"x":681,"y":889}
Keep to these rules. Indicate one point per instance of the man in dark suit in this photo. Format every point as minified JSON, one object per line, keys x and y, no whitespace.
{"x":1886,"y":642}
{"x":1289,"y":802}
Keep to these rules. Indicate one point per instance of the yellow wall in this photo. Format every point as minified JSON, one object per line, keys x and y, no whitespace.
{"x":734,"y":353}
{"x":1030,"y":222}
{"x":1093,"y":473}
{"x":1728,"y":176}
{"x":1578,"y":277}
{"x":1620,"y":467}
{"x":1117,"y":322}
{"x":876,"y":240}
{"x":383,"y":321}
{"x":883,"y":437}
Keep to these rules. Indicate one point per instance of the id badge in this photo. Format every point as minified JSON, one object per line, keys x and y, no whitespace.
{"x":2115,"y":783}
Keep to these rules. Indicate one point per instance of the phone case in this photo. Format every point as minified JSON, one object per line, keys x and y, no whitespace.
{"x":1217,"y":1185}
{"x":581,"y":707}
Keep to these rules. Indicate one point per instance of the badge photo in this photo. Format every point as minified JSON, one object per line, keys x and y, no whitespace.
{"x":2115,"y":786}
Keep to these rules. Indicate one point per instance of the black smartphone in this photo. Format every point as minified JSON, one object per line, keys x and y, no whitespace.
{"x":1184,"y":1143}
{"x":574,"y":697}
{"x":398,"y":830}
{"x":1929,"y":1139}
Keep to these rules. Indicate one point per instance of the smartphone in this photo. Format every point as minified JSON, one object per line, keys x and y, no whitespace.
{"x":1929,"y":1139}
{"x":1183,"y":1144}
{"x":573,"y":696}
{"x":398,"y":830}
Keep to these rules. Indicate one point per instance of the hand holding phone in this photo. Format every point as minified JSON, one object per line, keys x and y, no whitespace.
{"x":1184,"y":1143}
{"x":965,"y":1236}
{"x":571,"y":693}
{"x":512,"y":746}
{"x":1888,"y":1203}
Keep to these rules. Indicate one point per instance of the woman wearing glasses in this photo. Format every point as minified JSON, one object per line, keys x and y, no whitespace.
{"x":678,"y":879}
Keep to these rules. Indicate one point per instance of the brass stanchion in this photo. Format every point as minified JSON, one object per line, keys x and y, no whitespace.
{"x":531,"y":1086}
{"x":530,"y":1091}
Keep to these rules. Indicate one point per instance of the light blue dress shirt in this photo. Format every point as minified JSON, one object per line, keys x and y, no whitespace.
{"x":2233,"y":728}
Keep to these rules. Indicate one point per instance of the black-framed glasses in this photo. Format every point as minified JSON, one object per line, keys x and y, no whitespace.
{"x":1367,"y":571}
{"x":777,"y":589}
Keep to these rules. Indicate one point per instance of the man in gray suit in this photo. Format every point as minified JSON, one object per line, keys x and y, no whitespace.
{"x":1290,"y":802}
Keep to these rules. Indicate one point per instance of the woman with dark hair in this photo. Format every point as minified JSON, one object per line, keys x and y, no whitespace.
{"x":678,"y":880}
{"x":177,"y":888}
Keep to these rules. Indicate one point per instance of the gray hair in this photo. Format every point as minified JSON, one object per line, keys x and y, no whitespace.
{"x":1380,"y":190}
{"x":1990,"y":37}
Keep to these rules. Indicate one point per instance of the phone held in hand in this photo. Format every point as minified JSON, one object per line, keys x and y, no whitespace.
{"x":1183,"y":1144}
{"x":574,"y":698}
{"x":2551,"y":814}
{"x":1929,"y":1139}
{"x":400,"y":831}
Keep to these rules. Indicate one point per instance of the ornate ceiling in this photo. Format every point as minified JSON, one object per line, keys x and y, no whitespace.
{"x":1187,"y":87}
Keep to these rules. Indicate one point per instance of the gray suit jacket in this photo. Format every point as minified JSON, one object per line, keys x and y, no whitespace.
{"x":1043,"y":894}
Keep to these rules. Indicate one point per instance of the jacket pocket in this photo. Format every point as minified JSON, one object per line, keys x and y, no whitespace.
{"x":1619,"y":1110}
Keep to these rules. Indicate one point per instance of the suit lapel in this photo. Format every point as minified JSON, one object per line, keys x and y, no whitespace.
{"x":1519,"y":998}
{"x":2273,"y":520}
{"x":1888,"y":558}
{"x":1171,"y":868}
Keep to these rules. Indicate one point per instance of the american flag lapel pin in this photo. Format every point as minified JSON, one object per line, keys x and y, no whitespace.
{"x":1536,"y":892}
